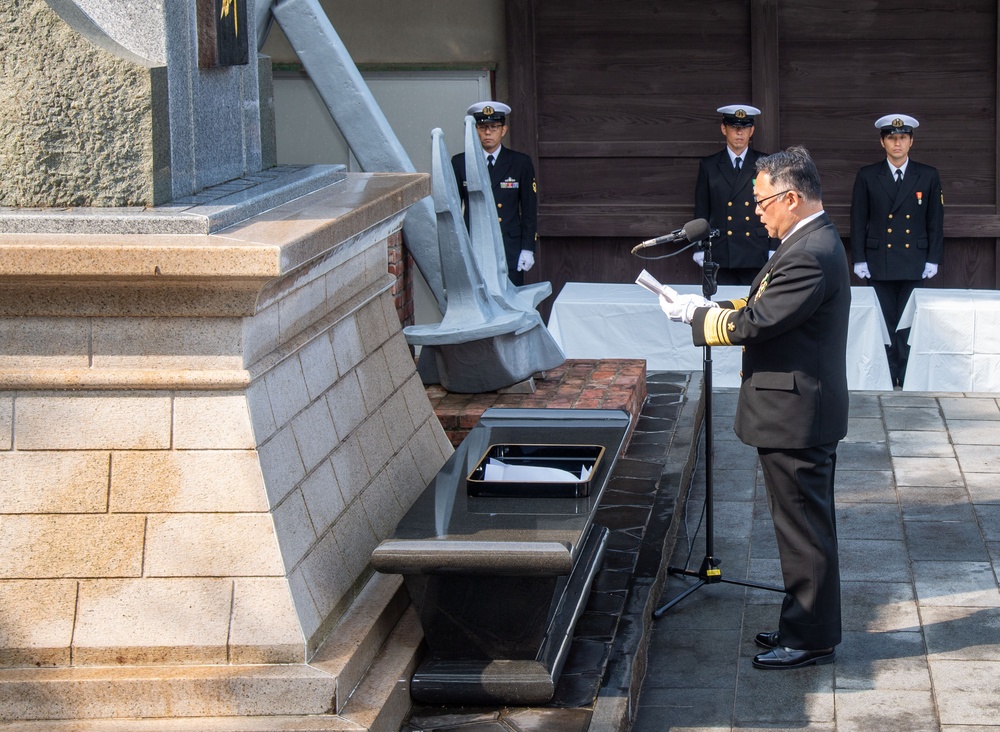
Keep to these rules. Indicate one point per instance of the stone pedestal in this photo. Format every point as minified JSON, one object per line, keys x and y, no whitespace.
{"x":209,"y":418}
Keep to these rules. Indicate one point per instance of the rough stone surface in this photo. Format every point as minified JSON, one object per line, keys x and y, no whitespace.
{"x":76,"y":121}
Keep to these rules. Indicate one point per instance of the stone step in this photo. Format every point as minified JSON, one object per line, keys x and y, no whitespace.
{"x":369,"y":687}
{"x":351,"y":648}
{"x":382,"y":700}
{"x":317,"y":723}
{"x":164,"y":691}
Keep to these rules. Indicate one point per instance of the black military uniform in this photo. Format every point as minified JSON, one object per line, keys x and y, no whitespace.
{"x":514,"y":190}
{"x":897,"y":230}
{"x":724,"y":196}
{"x":793,"y":408}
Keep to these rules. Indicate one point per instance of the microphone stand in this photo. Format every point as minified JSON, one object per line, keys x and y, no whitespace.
{"x":709,"y":572}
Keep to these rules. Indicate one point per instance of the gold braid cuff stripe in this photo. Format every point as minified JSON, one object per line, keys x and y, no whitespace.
{"x":716,"y":333}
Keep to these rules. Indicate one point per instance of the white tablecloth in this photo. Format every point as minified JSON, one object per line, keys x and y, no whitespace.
{"x":954,"y":343}
{"x":592,"y":320}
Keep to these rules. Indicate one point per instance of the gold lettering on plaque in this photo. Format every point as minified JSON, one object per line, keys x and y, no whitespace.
{"x":226,"y":5}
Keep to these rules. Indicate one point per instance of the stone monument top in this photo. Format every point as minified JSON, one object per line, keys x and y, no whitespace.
{"x":114,"y":104}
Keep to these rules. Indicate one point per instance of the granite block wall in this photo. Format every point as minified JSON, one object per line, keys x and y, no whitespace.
{"x":226,"y":522}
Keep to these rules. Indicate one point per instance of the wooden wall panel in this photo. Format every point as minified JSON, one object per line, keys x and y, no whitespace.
{"x":624,"y":95}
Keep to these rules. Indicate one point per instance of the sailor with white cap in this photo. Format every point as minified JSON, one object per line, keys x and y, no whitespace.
{"x":897,"y":228}
{"x":514,"y":189}
{"x":724,"y":196}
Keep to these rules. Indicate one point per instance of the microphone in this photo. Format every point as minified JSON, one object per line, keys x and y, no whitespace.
{"x":695,"y":230}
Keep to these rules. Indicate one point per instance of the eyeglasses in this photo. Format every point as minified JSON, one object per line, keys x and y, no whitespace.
{"x":759,"y":202}
{"x":491,"y":126}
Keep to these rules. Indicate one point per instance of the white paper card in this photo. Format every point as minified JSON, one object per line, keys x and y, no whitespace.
{"x":646,"y":280}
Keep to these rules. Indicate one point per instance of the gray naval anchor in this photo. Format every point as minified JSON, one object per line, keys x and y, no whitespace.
{"x":491,"y":337}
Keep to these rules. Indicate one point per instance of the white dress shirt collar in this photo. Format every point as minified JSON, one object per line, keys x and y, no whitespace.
{"x":802,"y":223}
{"x":893,"y":168}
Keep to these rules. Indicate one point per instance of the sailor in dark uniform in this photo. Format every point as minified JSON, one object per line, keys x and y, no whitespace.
{"x":724,"y":196}
{"x":514,"y":188}
{"x":897,"y":236}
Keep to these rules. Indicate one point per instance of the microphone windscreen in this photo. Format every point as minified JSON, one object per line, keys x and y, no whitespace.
{"x":696,"y":230}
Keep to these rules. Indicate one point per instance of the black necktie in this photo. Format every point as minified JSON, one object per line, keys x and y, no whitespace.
{"x":736,"y":164}
{"x":489,"y":162}
{"x":899,"y":176}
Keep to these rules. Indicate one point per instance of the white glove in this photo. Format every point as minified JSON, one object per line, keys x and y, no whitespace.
{"x":682,"y":309}
{"x":861,"y":270}
{"x":930,"y":269}
{"x":699,"y":258}
{"x":526,"y":261}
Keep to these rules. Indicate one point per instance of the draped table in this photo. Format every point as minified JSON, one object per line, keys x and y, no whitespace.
{"x":599,"y":320}
{"x":954,"y":344}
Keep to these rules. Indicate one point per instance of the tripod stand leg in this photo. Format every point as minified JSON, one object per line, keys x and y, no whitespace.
{"x":660,"y":611}
{"x":709,"y":572}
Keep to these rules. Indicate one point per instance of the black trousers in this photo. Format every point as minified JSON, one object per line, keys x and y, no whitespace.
{"x":892,"y":298}
{"x":800,"y":495}
{"x":513,"y":254}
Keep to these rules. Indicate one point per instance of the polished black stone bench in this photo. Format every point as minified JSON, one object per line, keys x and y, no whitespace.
{"x":499,"y":582}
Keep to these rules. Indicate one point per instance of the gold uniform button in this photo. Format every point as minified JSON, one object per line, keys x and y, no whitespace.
{"x":730,"y":203}
{"x":748,"y":218}
{"x":741,"y":373}
{"x":907,"y":215}
{"x":499,"y":205}
{"x":890,"y":216}
{"x":729,"y":233}
{"x":500,"y":219}
{"x":889,"y":231}
{"x":888,"y":246}
{"x":748,"y":233}
{"x":729,"y":218}
{"x":746,"y":203}
{"x":907,"y":246}
{"x":907,"y":231}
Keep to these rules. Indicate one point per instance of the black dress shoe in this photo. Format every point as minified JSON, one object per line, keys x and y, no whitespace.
{"x":767,"y":640}
{"x":782,"y":658}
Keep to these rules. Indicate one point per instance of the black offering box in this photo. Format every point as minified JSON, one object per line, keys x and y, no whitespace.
{"x":580,"y":460}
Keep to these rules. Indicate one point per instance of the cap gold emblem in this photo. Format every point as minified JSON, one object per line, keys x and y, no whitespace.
{"x":897,"y":122}
{"x":490,"y":110}
{"x":740,"y":113}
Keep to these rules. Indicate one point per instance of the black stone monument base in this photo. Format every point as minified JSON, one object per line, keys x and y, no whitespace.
{"x":499,"y":582}
{"x":508,"y":619}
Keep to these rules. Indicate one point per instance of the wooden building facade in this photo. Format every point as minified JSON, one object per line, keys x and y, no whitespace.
{"x":617,"y":103}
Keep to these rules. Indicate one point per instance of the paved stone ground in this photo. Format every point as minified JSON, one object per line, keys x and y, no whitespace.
{"x":918,"y":509}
